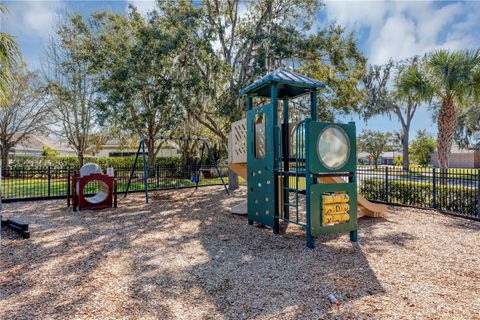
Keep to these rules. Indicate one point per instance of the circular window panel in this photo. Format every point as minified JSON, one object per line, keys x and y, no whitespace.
{"x":333,"y":147}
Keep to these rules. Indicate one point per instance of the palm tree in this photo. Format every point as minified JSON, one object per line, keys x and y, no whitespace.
{"x":454,"y":79}
{"x":9,"y":56}
{"x":412,"y":88}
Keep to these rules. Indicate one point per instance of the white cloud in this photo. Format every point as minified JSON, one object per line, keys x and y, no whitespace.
{"x":401,"y":29}
{"x":143,"y":6}
{"x":40,"y":18}
{"x":34,"y":18}
{"x":353,"y":14}
{"x":387,"y":42}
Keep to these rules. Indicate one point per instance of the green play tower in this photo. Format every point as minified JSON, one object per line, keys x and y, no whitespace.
{"x":304,"y":172}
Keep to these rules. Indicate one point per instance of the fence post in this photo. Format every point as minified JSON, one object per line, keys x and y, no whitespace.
{"x":115,"y":188}
{"x":386,"y":184}
{"x":434,"y":191}
{"x":478,"y":194}
{"x":49,"y":178}
{"x":68,"y":188}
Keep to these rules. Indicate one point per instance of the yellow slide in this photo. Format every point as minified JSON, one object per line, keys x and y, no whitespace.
{"x":366,"y":207}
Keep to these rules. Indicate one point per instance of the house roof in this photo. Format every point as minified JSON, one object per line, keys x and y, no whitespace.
{"x":290,"y":84}
{"x":37,"y":142}
{"x":116,"y":143}
{"x":384,"y":155}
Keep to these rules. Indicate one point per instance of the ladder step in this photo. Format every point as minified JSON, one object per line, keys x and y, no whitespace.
{"x":295,"y":190}
{"x":292,"y":173}
{"x":288,"y":204}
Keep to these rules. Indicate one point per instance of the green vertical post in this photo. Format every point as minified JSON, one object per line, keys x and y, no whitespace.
{"x":308,"y":177}
{"x":353,"y":179}
{"x":249,"y":107}
{"x":276,"y":153}
{"x":353,"y":233}
{"x":308,"y":182}
{"x":249,"y":103}
{"x":313,"y":105}
{"x":286,"y":160}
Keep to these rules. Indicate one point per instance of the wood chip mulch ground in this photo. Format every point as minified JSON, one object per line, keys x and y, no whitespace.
{"x":186,"y":257}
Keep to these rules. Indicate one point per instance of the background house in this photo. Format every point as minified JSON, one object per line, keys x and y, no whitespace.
{"x":460,"y":158}
{"x":386,"y":158}
{"x":113,"y":148}
{"x":33,"y":145}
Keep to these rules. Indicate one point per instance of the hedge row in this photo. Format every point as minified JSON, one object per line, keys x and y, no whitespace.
{"x":22,"y":162}
{"x":458,"y":199}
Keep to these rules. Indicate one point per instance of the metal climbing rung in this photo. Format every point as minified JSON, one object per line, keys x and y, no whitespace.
{"x":295,"y":190}
{"x":293,"y":174}
{"x":288,"y":204}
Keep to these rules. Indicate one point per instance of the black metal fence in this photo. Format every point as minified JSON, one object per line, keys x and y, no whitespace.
{"x":51,"y":183}
{"x":455,"y":191}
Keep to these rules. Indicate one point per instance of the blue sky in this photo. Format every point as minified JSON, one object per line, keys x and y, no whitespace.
{"x":385,"y":29}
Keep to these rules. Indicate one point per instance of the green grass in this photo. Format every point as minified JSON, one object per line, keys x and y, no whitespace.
{"x":32,"y":188}
{"x":38,"y":187}
{"x":414,"y":168}
{"x":418,"y":171}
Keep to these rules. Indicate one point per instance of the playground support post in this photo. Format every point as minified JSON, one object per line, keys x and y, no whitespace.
{"x":353,"y":179}
{"x":145,"y":177}
{"x":276,"y":154}
{"x":249,"y":103}
{"x":308,"y":176}
{"x":216,"y":166}
{"x":133,"y":169}
{"x":286,"y":161}
{"x":308,"y":181}
{"x":313,"y":105}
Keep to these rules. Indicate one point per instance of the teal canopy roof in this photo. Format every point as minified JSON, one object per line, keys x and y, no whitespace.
{"x":290,"y":84}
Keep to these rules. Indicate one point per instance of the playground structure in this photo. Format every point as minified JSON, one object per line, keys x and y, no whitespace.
{"x":196,"y":176}
{"x":88,"y":179}
{"x":297,"y":172}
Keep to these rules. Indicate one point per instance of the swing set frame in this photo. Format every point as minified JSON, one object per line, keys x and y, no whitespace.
{"x":141,"y":149}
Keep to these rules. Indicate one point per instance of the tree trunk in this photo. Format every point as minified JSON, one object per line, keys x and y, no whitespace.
{"x":151,"y":157}
{"x":81,"y":158}
{"x":405,"y":154}
{"x":4,"y":155}
{"x":232,"y":180}
{"x":447,"y":121}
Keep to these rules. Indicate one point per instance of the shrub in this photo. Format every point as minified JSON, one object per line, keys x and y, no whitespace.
{"x":24,"y":162}
{"x":459,"y":199}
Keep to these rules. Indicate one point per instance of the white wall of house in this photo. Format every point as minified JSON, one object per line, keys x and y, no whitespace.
{"x":163,"y":153}
{"x":459,"y":160}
